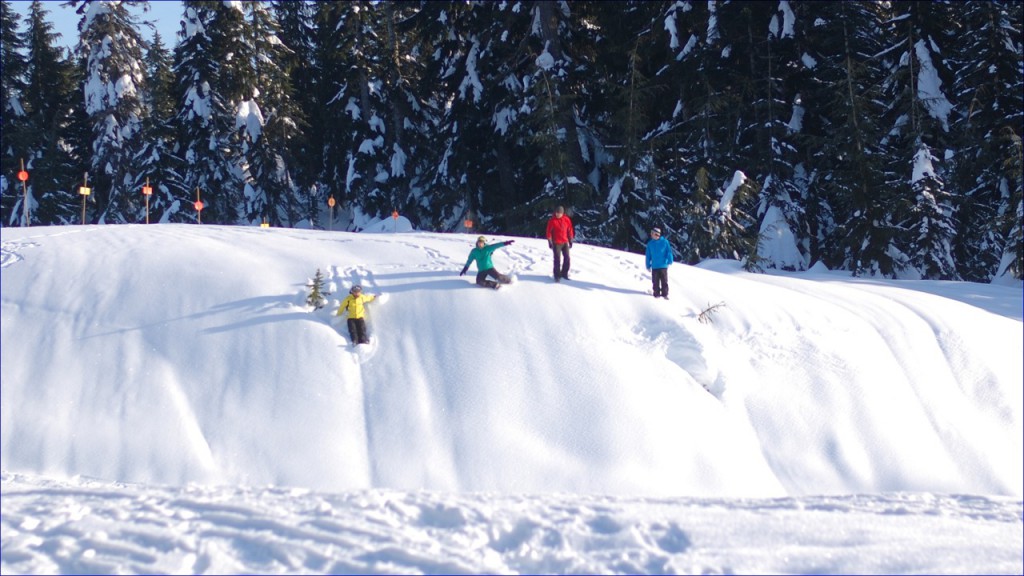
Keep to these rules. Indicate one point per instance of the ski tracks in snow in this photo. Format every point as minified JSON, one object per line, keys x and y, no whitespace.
{"x":10,"y":252}
{"x":350,"y":276}
{"x":684,"y":346}
{"x":85,"y":526}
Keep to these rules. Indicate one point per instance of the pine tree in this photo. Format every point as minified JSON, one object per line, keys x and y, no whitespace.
{"x":696,"y":226}
{"x":628,"y":124}
{"x":933,"y":232}
{"x":375,"y":154}
{"x":719,"y":89}
{"x":297,"y":21}
{"x":157,"y":163}
{"x":684,"y":150}
{"x":209,"y":81}
{"x":474,"y":71}
{"x":919,"y":114}
{"x":990,"y":90}
{"x":159,"y":63}
{"x":415,"y":109}
{"x":14,"y":119}
{"x":54,"y":145}
{"x":353,"y":142}
{"x":1012,"y":219}
{"x":842,"y":135}
{"x":774,"y":138}
{"x":453,"y":29}
{"x":557,"y":80}
{"x":317,"y":297}
{"x":114,"y":88}
{"x":274,"y":121}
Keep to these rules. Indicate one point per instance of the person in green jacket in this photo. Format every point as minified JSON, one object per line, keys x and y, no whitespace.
{"x":482,"y":255}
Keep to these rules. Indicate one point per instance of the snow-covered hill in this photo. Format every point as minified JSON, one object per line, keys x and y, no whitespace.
{"x":177,"y":355}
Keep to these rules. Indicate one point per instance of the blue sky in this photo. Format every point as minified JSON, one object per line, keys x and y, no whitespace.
{"x":165,"y":17}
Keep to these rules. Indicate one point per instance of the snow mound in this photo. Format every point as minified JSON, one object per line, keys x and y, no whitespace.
{"x":183,"y":354}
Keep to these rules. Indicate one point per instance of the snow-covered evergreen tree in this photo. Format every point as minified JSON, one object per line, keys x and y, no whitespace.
{"x":628,"y":124}
{"x":14,"y":119}
{"x":208,"y":89}
{"x":772,"y":136}
{"x":157,"y":163}
{"x":697,"y":224}
{"x":1012,"y":220}
{"x":990,"y":94}
{"x":919,"y":114}
{"x":377,"y":152}
{"x":556,"y":76}
{"x":842,"y":134}
{"x":474,"y":69}
{"x":354,"y":149}
{"x":267,"y":122}
{"x":113,"y":91}
{"x":411,"y":109}
{"x":317,"y":297}
{"x":54,"y":150}
{"x":463,"y":149}
{"x":715,"y":222}
{"x":297,"y":22}
{"x":933,"y":232}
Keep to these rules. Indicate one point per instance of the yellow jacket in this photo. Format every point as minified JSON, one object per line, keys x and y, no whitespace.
{"x":354,"y":305}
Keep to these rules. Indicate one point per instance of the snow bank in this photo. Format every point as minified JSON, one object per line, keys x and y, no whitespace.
{"x":176,"y":354}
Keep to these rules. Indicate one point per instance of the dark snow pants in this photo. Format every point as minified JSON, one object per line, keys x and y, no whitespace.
{"x":561,"y":267}
{"x":481,"y":278}
{"x":357,"y":331}
{"x":659,"y":277}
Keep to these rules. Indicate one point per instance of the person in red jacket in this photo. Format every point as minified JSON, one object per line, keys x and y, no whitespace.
{"x":560,"y":235}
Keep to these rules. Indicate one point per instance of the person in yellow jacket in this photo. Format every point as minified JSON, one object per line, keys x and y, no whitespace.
{"x":353,"y":304}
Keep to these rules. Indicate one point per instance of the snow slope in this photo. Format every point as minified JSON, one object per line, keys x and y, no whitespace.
{"x":184,"y":356}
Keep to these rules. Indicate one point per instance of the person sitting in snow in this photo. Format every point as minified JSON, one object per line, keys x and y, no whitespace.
{"x":658,"y":257}
{"x":482,"y":255}
{"x":354,"y":305}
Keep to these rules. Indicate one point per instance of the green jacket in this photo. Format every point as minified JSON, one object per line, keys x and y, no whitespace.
{"x":483,"y":256}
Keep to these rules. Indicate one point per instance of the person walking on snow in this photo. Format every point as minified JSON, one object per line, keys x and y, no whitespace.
{"x":658,"y":258}
{"x":560,"y":235}
{"x":482,"y":255}
{"x":354,"y":305}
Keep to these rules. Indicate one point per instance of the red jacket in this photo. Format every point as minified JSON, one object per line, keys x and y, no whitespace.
{"x":560,"y":230}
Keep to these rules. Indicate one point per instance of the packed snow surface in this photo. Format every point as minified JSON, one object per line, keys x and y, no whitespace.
{"x":171,"y":404}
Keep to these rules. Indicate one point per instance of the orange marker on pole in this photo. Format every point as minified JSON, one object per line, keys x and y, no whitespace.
{"x":147,"y":191}
{"x":23,"y":176}
{"x":199,"y":207}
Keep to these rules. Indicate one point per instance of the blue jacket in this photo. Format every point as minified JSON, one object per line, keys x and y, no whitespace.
{"x":659,"y":253}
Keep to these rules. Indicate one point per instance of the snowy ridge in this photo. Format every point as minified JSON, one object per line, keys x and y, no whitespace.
{"x":178,"y":367}
{"x":820,"y":384}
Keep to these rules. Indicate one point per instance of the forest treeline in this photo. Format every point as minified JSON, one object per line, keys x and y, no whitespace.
{"x":882,"y":138}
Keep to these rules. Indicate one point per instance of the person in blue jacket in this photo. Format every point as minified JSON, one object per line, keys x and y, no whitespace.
{"x":659,"y":257}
